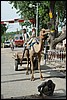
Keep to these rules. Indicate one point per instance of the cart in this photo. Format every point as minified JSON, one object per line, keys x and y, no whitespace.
{"x":18,"y":57}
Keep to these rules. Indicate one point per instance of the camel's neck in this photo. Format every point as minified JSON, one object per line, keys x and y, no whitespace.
{"x":41,"y":45}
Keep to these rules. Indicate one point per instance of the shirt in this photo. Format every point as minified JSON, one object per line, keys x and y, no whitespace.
{"x":24,"y":36}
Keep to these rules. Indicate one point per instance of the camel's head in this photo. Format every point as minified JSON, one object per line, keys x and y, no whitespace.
{"x":44,"y":33}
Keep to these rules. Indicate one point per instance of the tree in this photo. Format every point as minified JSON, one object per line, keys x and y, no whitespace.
{"x":58,"y":9}
{"x":29,"y":13}
{"x":3,"y":29}
{"x":55,"y":37}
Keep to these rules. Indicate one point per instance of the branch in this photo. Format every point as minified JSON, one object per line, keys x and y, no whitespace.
{"x":58,"y":35}
{"x":59,"y":39}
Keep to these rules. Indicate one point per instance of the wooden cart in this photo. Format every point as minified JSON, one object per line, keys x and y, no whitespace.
{"x":17,"y":56}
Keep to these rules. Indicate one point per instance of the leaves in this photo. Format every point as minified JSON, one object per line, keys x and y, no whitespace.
{"x":43,"y":10}
{"x":3,"y":29}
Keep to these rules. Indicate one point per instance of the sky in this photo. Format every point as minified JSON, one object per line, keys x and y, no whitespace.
{"x":7,"y":13}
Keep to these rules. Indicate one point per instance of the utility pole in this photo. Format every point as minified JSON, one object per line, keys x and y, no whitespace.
{"x":36,"y":19}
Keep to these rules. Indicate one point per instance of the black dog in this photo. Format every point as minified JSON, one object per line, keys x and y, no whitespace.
{"x":46,"y":88}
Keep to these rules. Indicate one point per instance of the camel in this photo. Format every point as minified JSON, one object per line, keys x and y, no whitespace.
{"x":35,"y":52}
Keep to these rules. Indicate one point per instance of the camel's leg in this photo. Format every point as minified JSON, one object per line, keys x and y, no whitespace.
{"x":27,"y":61}
{"x":20,"y":59}
{"x":32,"y":77}
{"x":27,"y":73}
{"x":39,"y":59}
{"x":20,"y":62}
{"x":30,"y":68}
{"x":22,"y":56}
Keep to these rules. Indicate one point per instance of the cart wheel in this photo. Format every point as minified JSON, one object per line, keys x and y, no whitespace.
{"x":35,"y":62}
{"x":16,"y":65}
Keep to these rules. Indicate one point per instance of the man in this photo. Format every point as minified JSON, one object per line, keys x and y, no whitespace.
{"x":46,"y":88}
{"x":24,"y":34}
{"x":28,"y":42}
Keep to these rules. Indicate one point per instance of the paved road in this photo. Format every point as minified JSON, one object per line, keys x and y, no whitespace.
{"x":17,"y":83}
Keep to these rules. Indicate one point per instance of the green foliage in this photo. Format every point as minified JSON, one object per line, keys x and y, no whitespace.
{"x":27,"y":13}
{"x":43,"y":9}
{"x":3,"y":29}
{"x":25,"y":24}
{"x":60,"y":8}
{"x":7,"y":36}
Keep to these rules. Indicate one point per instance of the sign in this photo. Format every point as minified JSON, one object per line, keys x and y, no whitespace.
{"x":18,"y":20}
{"x":50,"y":14}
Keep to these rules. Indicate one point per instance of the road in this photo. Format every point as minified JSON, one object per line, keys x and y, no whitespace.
{"x":17,"y":83}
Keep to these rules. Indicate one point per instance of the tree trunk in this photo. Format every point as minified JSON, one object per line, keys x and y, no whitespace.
{"x":57,"y":40}
{"x":54,"y":22}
